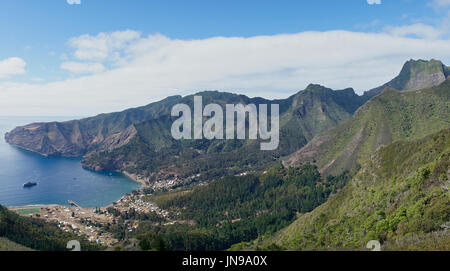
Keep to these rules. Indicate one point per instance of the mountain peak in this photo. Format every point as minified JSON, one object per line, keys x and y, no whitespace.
{"x":312,"y":87}
{"x":415,"y":67}
{"x":415,"y":74}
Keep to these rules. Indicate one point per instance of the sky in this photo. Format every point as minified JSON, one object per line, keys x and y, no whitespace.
{"x":85,"y":57}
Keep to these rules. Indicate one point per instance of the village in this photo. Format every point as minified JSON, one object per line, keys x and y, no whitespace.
{"x":91,"y":222}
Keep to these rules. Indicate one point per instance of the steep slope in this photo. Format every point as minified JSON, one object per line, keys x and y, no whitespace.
{"x":237,"y":208}
{"x":415,"y":74}
{"x":400,"y":197}
{"x":6,"y":245}
{"x":390,"y":116}
{"x":139,"y":141}
{"x":78,"y":137}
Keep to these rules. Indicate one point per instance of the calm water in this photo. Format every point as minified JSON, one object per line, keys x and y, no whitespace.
{"x":59,"y":179}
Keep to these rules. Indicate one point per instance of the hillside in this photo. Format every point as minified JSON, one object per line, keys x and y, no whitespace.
{"x":236,"y":208}
{"x":390,"y":116}
{"x":6,"y":245}
{"x":78,"y":137}
{"x":35,"y":234}
{"x":139,"y":141}
{"x":400,"y":197}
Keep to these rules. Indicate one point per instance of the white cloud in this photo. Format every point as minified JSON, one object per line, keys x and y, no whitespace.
{"x":102,"y":46}
{"x":74,"y":2}
{"x":416,"y":30}
{"x":374,"y":2}
{"x":156,"y":66}
{"x":12,"y":66}
{"x":82,"y":68}
{"x":440,"y":3}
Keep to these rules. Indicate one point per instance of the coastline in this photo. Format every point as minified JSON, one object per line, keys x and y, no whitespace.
{"x":134,"y":177}
{"x":31,"y":206}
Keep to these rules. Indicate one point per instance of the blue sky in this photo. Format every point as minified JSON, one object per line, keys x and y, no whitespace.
{"x":51,"y":42}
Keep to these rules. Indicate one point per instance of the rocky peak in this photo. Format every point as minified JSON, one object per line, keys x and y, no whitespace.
{"x":415,"y":74}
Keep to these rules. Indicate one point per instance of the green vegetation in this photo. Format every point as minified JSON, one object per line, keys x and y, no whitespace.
{"x":389,"y":117}
{"x":314,"y":110}
{"x":6,"y":245}
{"x":36,"y":234}
{"x":29,"y":211}
{"x":400,"y":197}
{"x":433,"y":241}
{"x":237,"y":209}
{"x":388,"y":177}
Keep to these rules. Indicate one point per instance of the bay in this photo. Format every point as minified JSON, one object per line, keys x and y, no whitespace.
{"x":59,"y":179}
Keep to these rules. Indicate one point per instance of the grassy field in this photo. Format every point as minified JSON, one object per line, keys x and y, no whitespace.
{"x":29,"y":211}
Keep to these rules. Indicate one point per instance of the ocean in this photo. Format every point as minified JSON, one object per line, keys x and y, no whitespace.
{"x":59,"y":179}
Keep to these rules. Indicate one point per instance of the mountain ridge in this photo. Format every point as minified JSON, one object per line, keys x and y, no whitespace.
{"x":108,"y":141}
{"x":138,"y":140}
{"x":302,"y":116}
{"x":389,"y":116}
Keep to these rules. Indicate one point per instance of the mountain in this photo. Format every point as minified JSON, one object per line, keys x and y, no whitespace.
{"x":415,"y":75}
{"x":138,"y":140}
{"x":399,"y":197}
{"x":390,"y":116}
{"x":78,"y":137}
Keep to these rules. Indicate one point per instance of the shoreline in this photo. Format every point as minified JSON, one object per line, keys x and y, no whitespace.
{"x":133,"y":177}
{"x":130,"y":176}
{"x":35,"y":206}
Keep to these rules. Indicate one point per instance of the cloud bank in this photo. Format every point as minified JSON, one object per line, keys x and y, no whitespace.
{"x":418,"y":30}
{"x":132,"y":70}
{"x":82,"y":68}
{"x":12,"y":66}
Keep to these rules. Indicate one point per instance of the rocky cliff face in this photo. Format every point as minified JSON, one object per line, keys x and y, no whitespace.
{"x":415,"y":75}
{"x":79,"y":137}
{"x":117,"y":140}
{"x":51,"y":139}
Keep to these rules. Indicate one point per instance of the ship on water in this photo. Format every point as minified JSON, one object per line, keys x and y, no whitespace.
{"x":29,"y":184}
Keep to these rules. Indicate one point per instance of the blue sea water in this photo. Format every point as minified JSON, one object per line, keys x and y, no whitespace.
{"x":59,"y":179}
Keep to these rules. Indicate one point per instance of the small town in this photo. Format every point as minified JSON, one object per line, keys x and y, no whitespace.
{"x":91,"y":222}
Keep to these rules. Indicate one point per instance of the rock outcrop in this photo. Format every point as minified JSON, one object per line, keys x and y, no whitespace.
{"x":415,"y":75}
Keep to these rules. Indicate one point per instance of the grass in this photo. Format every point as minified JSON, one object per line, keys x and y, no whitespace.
{"x":29,"y":211}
